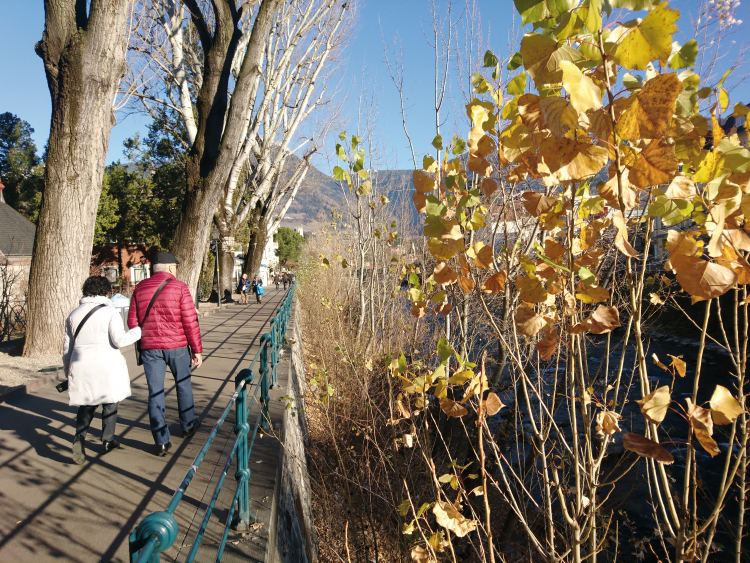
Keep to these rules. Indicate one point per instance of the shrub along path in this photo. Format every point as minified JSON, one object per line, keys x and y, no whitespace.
{"x":54,"y":510}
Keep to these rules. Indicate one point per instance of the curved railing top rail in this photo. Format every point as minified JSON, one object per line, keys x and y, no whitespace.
{"x":158,"y":531}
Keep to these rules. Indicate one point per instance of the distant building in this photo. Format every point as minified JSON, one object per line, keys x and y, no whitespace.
{"x":299,"y":231}
{"x":16,"y":247}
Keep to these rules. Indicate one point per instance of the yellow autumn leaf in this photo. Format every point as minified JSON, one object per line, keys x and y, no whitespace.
{"x":572,"y":160}
{"x":607,"y":422}
{"x":451,"y":519}
{"x":656,"y":164}
{"x":609,"y":191}
{"x":531,"y":289}
{"x":650,"y":110}
{"x":648,"y":40}
{"x":700,"y":278}
{"x":584,"y":94}
{"x":724,"y":407}
{"x":654,"y":406}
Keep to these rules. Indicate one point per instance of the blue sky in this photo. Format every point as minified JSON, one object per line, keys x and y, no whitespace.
{"x":23,"y":89}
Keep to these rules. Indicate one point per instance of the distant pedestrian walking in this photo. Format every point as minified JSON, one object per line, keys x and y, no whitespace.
{"x":277,"y":279}
{"x":96,"y":370}
{"x":164,"y":308}
{"x":258,"y":289}
{"x":285,"y":280}
{"x":244,"y":288}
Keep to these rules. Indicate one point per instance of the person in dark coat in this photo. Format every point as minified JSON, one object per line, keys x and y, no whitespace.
{"x":171,"y":337}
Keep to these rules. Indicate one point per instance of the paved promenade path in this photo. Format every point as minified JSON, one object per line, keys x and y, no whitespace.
{"x":54,"y":510}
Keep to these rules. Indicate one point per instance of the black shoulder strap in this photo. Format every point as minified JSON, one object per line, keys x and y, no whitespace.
{"x":158,"y":291}
{"x":83,"y":322}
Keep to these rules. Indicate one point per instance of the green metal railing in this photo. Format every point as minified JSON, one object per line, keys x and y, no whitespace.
{"x":158,"y":531}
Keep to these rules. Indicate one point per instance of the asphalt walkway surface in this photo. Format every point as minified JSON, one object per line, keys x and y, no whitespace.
{"x":54,"y":510}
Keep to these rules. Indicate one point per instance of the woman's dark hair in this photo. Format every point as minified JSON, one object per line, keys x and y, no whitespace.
{"x":96,"y":286}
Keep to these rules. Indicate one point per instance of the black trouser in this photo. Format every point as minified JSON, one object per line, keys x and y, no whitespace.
{"x":86,"y":415}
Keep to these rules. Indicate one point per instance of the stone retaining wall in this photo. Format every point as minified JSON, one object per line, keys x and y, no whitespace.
{"x":295,"y":535}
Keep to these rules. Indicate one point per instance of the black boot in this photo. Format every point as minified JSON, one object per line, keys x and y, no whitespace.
{"x":109,"y":445}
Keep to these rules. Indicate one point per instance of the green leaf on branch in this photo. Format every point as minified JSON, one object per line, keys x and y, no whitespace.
{"x":686,"y":56}
{"x":437,"y":142}
{"x":459,"y":146}
{"x":490,"y":60}
{"x":445,"y":350}
{"x":533,"y":11}
{"x":515,"y":61}
{"x":517,"y":86}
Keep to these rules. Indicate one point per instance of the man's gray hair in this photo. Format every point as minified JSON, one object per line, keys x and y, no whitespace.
{"x":161,"y":268}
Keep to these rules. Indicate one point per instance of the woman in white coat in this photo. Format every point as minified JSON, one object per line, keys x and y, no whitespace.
{"x":96,"y":370}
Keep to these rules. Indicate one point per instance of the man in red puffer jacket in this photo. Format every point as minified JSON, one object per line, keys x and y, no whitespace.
{"x":171,"y":337}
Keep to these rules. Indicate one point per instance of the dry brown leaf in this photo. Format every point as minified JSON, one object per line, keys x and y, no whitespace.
{"x":479,"y":143}
{"x":621,"y":238}
{"x":559,"y":115}
{"x":493,"y":404}
{"x":419,"y":310}
{"x":465,"y":283}
{"x":443,"y":274}
{"x":465,"y":266}
{"x":654,"y":406}
{"x":452,"y":408}
{"x":650,"y":110}
{"x":422,"y":182}
{"x":572,"y":160}
{"x":547,"y":345}
{"x":703,"y":427}
{"x":553,"y":249}
{"x":537,"y":203}
{"x":420,"y":202}
{"x":528,"y":323}
{"x":646,"y":448}
{"x":678,"y":364}
{"x":724,"y":407}
{"x":488,"y":187}
{"x":607,"y":422}
{"x":444,"y":309}
{"x":603,"y":320}
{"x":495,"y":283}
{"x":700,"y":278}
{"x":420,"y":555}
{"x":609,"y":191}
{"x":480,"y":165}
{"x":656,"y":164}
{"x":681,"y":187}
{"x":482,"y":255}
{"x":531,"y":289}
{"x":448,"y":517}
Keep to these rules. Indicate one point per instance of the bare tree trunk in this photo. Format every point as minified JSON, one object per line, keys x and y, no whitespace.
{"x":226,"y":266}
{"x":218,"y":139}
{"x":84,"y":58}
{"x":257,"y":244}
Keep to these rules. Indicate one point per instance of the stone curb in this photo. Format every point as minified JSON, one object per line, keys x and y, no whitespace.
{"x":36,"y":383}
{"x":58,"y":375}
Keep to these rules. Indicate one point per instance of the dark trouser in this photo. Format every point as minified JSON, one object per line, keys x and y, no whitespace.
{"x":86,"y":415}
{"x":155,"y":364}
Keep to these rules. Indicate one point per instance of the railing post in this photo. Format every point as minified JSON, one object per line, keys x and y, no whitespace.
{"x":243,"y":516}
{"x":274,"y":348}
{"x":155,"y":533}
{"x":265,"y":341}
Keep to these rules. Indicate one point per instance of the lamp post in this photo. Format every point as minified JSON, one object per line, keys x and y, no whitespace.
{"x":215,"y":249}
